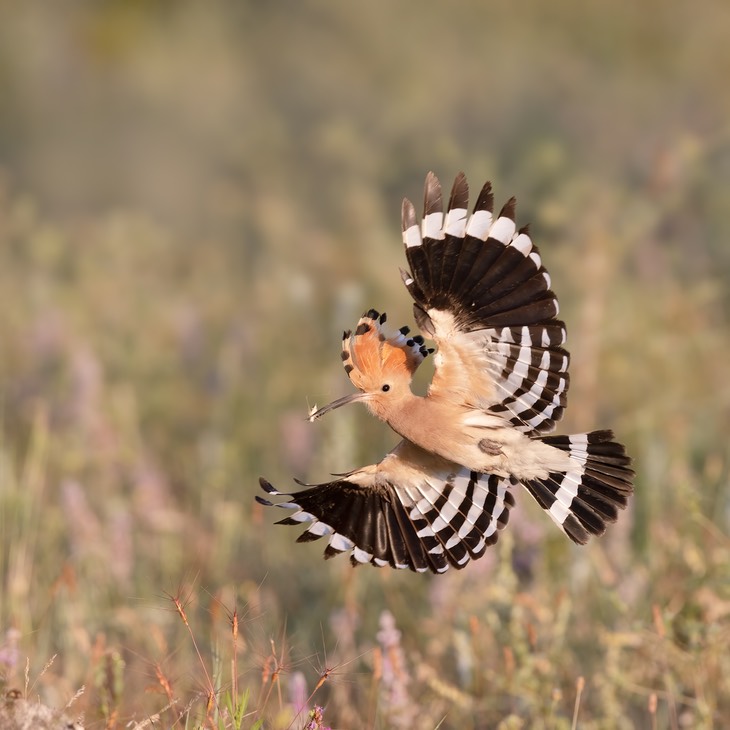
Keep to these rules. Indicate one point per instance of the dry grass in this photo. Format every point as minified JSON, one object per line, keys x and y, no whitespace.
{"x":195,"y":204}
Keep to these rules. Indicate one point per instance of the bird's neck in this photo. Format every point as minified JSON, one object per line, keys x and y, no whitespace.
{"x":407,"y":417}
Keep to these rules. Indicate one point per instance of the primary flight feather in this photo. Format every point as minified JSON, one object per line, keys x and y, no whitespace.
{"x":439,"y":498}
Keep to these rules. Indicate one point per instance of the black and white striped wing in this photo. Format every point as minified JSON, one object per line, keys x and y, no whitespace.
{"x":482,"y":293}
{"x":412,"y":510}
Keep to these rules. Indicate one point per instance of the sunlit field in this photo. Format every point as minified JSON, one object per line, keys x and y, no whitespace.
{"x":196,"y":199}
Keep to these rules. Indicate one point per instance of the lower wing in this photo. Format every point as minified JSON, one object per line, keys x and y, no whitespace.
{"x":412,"y":510}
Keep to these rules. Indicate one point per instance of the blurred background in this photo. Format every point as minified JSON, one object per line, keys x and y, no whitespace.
{"x":195,"y":200}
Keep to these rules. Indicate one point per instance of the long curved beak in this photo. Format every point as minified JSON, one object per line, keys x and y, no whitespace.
{"x":352,"y":398}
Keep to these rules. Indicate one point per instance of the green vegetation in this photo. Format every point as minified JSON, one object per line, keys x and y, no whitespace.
{"x":195,"y":200}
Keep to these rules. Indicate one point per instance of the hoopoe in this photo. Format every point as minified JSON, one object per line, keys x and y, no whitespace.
{"x":440,"y":497}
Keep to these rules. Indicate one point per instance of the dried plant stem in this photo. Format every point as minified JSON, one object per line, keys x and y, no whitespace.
{"x":212,"y":696}
{"x":234,"y":658}
{"x":652,"y":710}
{"x":272,"y":669}
{"x":579,"y":686}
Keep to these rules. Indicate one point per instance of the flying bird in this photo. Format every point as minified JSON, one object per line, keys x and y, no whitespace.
{"x":441,"y":496}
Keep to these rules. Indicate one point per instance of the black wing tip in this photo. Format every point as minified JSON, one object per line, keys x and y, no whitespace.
{"x":265,"y":502}
{"x":509,"y":209}
{"x":308,"y":537}
{"x":485,"y":199}
{"x":602,"y":436}
{"x":575,"y":530}
{"x":408,"y":215}
{"x":459,"y":197}
{"x":267,"y":486}
{"x":288,"y":521}
{"x":432,"y":195}
{"x":330,"y":552}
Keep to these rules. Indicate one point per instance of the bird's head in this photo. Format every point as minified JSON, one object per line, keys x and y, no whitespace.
{"x":380,"y":365}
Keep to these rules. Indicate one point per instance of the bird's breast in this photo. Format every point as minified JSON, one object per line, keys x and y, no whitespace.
{"x":478,"y":440}
{"x":444,"y":429}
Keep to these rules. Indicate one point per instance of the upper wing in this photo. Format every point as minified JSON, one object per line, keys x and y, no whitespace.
{"x":482,"y":293}
{"x":412,"y":510}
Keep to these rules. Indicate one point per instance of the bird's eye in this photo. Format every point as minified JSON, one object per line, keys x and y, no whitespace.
{"x":385,"y":388}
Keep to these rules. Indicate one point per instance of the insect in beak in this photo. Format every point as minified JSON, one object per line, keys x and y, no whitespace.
{"x":315,"y":413}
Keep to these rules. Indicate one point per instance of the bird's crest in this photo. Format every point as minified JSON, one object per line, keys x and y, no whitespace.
{"x":371,"y":352}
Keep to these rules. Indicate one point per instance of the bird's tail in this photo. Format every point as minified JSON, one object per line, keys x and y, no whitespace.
{"x":583,"y":500}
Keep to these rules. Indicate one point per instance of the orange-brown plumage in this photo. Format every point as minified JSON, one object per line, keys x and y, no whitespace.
{"x":481,"y":293}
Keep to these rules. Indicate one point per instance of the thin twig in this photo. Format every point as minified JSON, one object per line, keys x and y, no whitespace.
{"x":579,"y":685}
